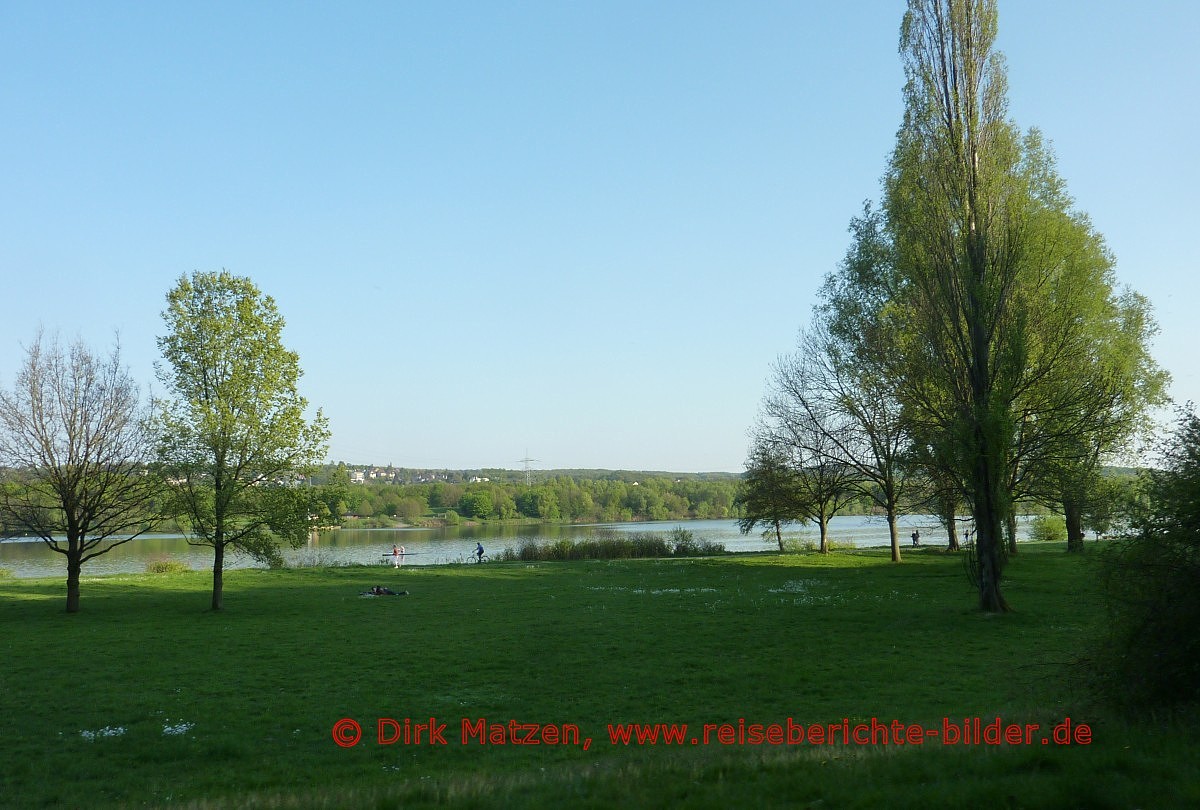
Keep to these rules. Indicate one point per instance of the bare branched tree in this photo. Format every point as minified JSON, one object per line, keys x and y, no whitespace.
{"x":870,"y":433}
{"x":75,"y":448}
{"x":816,"y":435}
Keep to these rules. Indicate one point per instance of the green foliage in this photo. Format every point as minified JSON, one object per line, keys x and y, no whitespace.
{"x":610,"y":544}
{"x":988,"y":303}
{"x":1150,"y":576}
{"x":562,"y":497}
{"x":684,"y":544}
{"x":771,"y":496}
{"x":335,"y":496}
{"x":233,"y":433}
{"x":1109,"y":501}
{"x":797,"y":545}
{"x":167,"y":567}
{"x":476,"y":504}
{"x":444,"y":495}
{"x":541,"y":503}
{"x":1048,"y":529}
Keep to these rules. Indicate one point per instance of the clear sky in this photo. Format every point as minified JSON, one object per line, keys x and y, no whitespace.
{"x":577,"y":231}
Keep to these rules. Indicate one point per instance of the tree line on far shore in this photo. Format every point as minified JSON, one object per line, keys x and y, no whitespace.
{"x":552,"y":497}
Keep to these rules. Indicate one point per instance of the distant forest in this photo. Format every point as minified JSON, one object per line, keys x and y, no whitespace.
{"x":387,"y":495}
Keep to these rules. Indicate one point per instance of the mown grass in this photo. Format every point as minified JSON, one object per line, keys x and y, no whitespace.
{"x":259,"y":687}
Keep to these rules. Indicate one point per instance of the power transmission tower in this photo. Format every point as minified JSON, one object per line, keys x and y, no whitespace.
{"x":527,"y":461}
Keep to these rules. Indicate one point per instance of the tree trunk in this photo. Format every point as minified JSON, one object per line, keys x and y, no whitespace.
{"x":988,"y":503}
{"x":1073,"y":512}
{"x":951,"y":524}
{"x":987,"y":428}
{"x":779,"y":535}
{"x":1011,"y":530}
{"x":988,"y":539}
{"x":218,"y":575}
{"x":74,"y":566}
{"x":823,"y":522}
{"x":891,"y":519}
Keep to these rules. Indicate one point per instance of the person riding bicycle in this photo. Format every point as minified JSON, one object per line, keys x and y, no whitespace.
{"x":479,"y":552}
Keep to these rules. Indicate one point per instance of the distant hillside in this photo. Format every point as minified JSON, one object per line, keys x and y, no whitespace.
{"x":413,"y":475}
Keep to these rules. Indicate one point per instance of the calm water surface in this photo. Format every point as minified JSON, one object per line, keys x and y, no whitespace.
{"x":28,"y":558}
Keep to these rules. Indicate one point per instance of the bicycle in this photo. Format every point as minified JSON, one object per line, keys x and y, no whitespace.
{"x":471,"y":558}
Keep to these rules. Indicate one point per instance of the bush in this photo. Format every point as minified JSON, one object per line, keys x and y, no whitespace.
{"x":609,"y":544}
{"x":4,"y":572}
{"x":686,"y":545}
{"x":167,"y":567}
{"x":1152,"y":657}
{"x":796,"y":545}
{"x":1048,"y":529}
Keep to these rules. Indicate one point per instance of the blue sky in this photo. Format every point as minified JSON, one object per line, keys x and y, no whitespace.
{"x":578,"y":231}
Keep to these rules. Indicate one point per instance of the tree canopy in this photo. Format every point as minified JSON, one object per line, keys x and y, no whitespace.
{"x":233,"y":433}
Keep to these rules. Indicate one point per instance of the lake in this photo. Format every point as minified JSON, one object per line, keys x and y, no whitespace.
{"x":31,"y":558}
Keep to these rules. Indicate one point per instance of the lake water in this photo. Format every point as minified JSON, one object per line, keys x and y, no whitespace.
{"x":30,"y":558}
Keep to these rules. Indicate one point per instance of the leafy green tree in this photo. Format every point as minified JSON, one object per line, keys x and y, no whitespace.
{"x":503,"y":505}
{"x":233,"y":432}
{"x":445,"y":495}
{"x":770,"y":494}
{"x":412,"y":509}
{"x":475,"y":503}
{"x":335,"y":495}
{"x":901,"y":452}
{"x":1089,"y":380}
{"x":575,"y":501}
{"x":539,"y":502}
{"x":1107,"y":502}
{"x":1108,"y":390}
{"x":1010,"y":360}
{"x":1071,"y":376}
{"x":74,"y":440}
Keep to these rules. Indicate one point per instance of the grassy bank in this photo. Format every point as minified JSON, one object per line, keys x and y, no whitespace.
{"x":146,"y":698}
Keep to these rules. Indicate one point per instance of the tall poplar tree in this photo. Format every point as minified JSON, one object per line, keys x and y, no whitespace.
{"x":955,"y":205}
{"x":1020,"y":365}
{"x":233,"y":434}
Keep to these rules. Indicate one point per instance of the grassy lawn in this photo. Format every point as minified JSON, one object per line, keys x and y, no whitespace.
{"x":145,"y":698}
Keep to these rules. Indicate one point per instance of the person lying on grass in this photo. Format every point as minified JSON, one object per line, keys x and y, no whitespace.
{"x":380,"y":590}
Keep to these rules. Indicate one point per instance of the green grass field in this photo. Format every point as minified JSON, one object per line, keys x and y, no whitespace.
{"x":146,"y":699}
